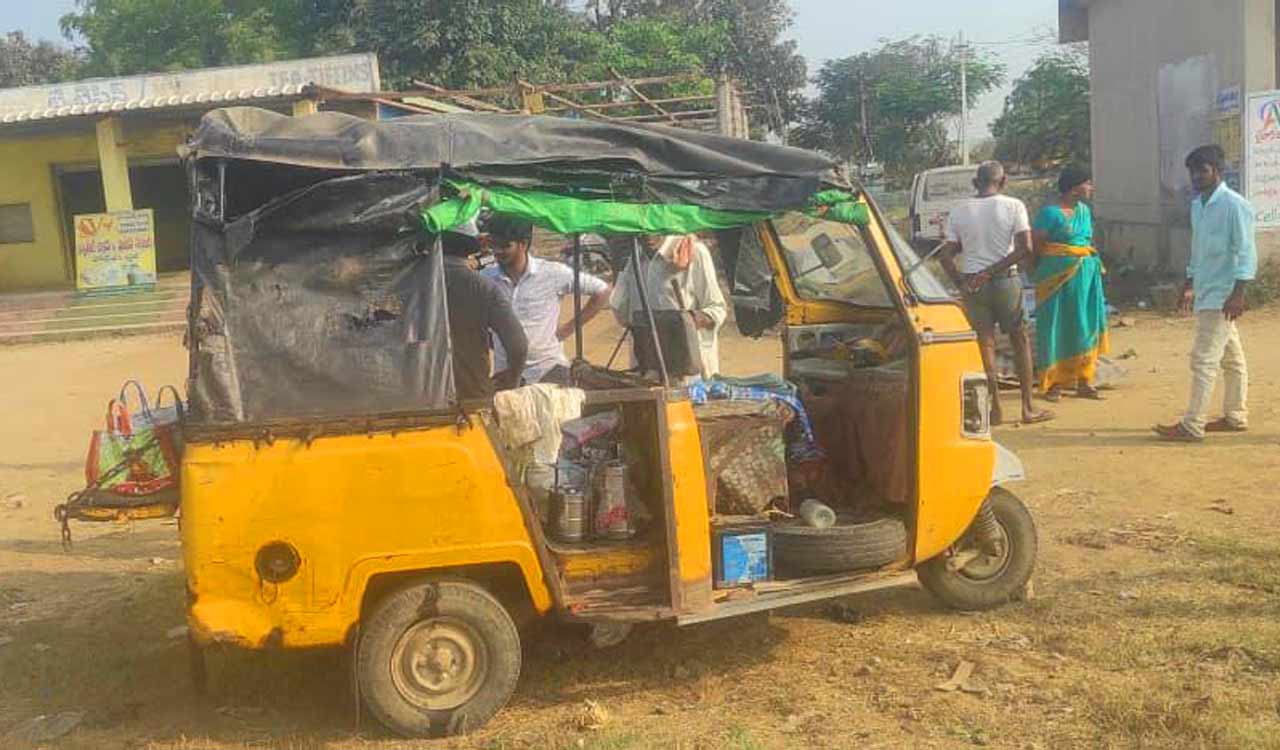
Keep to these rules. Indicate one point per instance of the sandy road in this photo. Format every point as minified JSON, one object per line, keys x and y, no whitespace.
{"x":1154,"y":625}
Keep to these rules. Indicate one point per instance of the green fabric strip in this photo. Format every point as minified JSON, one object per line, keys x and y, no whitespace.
{"x":569,"y":215}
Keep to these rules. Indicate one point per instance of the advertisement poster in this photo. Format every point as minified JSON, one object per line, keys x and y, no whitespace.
{"x":1262,"y":161}
{"x":1227,"y":125}
{"x":116,"y":249}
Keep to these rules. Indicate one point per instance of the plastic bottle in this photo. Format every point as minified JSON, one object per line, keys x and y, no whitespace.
{"x":817,"y":514}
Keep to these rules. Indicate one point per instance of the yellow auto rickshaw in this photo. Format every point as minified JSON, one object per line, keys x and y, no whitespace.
{"x":335,"y":492}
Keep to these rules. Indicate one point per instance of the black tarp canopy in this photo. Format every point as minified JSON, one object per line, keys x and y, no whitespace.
{"x":629,"y":160}
{"x":314,"y":292}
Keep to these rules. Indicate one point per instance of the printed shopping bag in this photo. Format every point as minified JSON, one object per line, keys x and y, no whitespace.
{"x":138,"y":452}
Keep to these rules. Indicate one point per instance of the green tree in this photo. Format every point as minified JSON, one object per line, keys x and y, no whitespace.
{"x":1046,"y":117}
{"x":748,"y":42}
{"x":25,"y":64}
{"x":457,"y":43}
{"x":910,"y":90}
{"x":480,"y":43}
{"x":121,"y":37}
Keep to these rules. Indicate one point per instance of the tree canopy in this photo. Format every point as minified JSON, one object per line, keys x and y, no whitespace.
{"x":1046,"y":118}
{"x":911,"y":90}
{"x":743,"y":38}
{"x":455,"y":43}
{"x":25,"y":64}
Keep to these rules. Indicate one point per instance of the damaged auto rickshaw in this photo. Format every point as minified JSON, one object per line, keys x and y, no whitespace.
{"x":335,"y":492}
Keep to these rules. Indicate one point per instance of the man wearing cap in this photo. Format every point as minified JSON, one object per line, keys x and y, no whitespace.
{"x":478,"y":306}
{"x":535,"y":288}
{"x":989,"y":235}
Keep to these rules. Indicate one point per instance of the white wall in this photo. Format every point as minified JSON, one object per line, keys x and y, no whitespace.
{"x":1130,"y":40}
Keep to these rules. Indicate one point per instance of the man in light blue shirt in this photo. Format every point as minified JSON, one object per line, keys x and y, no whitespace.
{"x":1224,"y":259}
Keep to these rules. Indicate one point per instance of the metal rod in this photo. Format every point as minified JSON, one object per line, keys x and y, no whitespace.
{"x":577,"y":299}
{"x":460,"y":96}
{"x":222,"y":190}
{"x":617,"y":348}
{"x":577,"y":107}
{"x":558,"y":87}
{"x":648,"y":312}
{"x":641,"y":95}
{"x":638,"y":105}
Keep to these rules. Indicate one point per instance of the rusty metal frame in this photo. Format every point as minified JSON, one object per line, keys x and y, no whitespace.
{"x":689,"y":112}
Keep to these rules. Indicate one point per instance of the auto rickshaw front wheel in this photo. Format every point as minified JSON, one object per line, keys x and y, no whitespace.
{"x":992,"y":562}
{"x":437,"y":658}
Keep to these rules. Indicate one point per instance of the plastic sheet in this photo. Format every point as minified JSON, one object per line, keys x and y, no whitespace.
{"x":615,"y":160}
{"x":322,"y":303}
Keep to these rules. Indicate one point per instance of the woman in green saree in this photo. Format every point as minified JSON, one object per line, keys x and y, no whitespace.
{"x":1071,"y":309}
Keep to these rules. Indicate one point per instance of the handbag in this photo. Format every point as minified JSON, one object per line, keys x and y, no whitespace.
{"x":138,"y":452}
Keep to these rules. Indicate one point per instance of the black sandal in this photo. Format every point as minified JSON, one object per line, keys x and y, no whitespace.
{"x":1090,"y":393}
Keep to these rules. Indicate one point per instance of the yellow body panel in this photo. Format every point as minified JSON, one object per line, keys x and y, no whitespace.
{"x":691,"y":517}
{"x":953,"y":473}
{"x":354,"y":507}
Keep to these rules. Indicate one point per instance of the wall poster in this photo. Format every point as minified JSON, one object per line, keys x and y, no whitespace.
{"x":116,"y":249}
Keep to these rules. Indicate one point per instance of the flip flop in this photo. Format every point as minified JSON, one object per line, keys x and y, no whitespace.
{"x":1093,"y":394}
{"x":1175,"y":433}
{"x":1039,"y":418}
{"x":1224,"y":425}
{"x":1053,"y":395}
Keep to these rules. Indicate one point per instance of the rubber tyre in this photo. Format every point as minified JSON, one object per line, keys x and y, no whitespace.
{"x":391,"y":618}
{"x":958,"y":591}
{"x":804,"y":551}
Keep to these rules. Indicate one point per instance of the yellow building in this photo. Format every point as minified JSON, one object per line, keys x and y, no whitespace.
{"x":111,"y":145}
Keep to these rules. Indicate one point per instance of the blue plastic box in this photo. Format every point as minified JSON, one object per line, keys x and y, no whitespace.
{"x":741,"y":555}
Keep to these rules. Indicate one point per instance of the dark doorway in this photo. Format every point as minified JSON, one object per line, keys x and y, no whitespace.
{"x":160,"y":187}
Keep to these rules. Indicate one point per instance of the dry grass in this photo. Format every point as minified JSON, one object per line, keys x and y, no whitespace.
{"x":1181,"y":651}
{"x":1163,"y":631}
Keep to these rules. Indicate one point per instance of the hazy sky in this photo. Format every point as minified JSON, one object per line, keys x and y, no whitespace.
{"x":825,"y":28}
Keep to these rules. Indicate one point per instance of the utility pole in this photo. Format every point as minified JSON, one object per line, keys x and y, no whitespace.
{"x":964,"y":102}
{"x":868,"y":150}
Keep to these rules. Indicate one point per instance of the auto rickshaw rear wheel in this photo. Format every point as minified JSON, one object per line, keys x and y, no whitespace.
{"x":437,"y":658}
{"x":983,"y":573}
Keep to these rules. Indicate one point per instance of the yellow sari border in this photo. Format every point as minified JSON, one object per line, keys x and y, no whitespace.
{"x":1068,"y":372}
{"x":1047,"y":287}
{"x":1061,"y":250}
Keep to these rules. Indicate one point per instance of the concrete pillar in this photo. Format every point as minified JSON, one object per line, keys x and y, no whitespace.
{"x":303,"y":107}
{"x":113,"y":162}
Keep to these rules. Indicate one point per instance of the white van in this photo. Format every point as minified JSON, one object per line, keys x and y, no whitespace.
{"x":933,"y":194}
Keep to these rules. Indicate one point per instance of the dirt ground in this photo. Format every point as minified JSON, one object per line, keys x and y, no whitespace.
{"x":1155,"y":621}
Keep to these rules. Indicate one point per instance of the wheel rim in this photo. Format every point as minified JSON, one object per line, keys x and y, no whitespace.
{"x":439,"y":664}
{"x":986,"y":567}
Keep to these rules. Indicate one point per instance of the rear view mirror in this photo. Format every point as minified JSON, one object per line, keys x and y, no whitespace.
{"x":827,"y":252}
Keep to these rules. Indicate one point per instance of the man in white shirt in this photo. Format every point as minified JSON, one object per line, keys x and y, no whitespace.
{"x":535,"y":287}
{"x":679,"y":274}
{"x":987,"y":236}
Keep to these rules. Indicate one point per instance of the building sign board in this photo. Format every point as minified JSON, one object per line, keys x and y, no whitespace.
{"x":1262,"y":159}
{"x":357,"y":73}
{"x":1226,"y":128}
{"x":115,"y":249}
